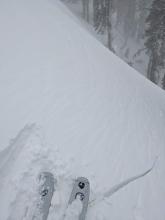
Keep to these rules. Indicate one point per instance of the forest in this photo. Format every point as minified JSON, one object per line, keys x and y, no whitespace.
{"x":132,"y":29}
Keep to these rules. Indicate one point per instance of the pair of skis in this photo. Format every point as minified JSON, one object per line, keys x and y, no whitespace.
{"x":81,"y":190}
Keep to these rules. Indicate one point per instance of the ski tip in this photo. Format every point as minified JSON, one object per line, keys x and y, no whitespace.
{"x":43,"y":176}
{"x":82,"y":180}
{"x":81,"y":185}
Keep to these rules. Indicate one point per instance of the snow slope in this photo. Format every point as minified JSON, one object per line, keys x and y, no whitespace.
{"x":75,"y":110}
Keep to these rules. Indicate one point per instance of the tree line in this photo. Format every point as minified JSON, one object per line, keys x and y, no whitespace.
{"x":141,"y":19}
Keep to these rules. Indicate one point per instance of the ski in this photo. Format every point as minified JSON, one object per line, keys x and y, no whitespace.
{"x":46,"y":190}
{"x":81,"y":191}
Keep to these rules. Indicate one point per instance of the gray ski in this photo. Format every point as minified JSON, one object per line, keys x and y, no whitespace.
{"x":46,"y":190}
{"x":81,"y":190}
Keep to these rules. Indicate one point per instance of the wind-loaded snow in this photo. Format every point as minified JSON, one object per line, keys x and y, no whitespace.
{"x":71,"y":107}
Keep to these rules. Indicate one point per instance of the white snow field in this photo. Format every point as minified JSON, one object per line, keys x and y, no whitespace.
{"x":71,"y":107}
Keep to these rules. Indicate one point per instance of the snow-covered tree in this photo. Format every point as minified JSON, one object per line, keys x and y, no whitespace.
{"x":85,"y":4}
{"x":96,"y":13}
{"x":163,"y":82}
{"x":102,"y":18}
{"x":155,"y":39}
{"x":141,"y":15}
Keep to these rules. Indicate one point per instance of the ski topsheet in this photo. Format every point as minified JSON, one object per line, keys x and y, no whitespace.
{"x":81,"y":191}
{"x":46,"y":190}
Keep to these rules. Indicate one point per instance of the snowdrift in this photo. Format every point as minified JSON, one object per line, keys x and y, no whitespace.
{"x":75,"y":110}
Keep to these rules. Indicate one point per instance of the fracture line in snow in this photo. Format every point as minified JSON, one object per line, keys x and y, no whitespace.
{"x":121,"y":185}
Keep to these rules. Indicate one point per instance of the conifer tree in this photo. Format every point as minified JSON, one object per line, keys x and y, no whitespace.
{"x":102,"y":18}
{"x":163,"y":82}
{"x":85,"y":4}
{"x":155,"y":39}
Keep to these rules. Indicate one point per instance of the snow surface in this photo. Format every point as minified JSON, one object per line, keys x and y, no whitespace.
{"x":75,"y":110}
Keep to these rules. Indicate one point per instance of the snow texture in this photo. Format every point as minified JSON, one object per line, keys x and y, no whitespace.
{"x":75,"y":110}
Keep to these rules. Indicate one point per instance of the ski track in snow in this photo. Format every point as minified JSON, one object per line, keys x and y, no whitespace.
{"x":121,"y":185}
